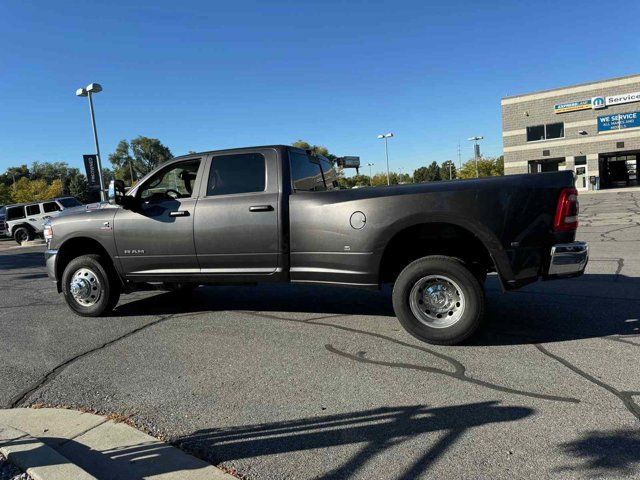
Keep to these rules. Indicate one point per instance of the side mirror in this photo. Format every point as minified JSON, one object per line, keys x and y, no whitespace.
{"x":116,"y":192}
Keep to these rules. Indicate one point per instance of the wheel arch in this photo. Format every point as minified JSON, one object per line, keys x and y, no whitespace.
{"x":76,"y":247}
{"x":439,"y":235}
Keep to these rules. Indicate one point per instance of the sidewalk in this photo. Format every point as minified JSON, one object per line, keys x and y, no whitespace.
{"x":59,"y":444}
{"x":611,"y":190}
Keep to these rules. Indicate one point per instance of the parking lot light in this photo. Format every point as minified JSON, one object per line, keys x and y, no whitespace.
{"x":88,"y":91}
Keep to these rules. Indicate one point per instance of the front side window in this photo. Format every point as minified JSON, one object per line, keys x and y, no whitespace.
{"x":237,"y":173}
{"x":173,"y":182}
{"x":15,"y":213}
{"x":305,"y":173}
{"x":50,"y":207}
{"x":33,"y":209}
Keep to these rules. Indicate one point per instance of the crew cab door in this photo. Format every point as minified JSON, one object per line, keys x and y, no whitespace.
{"x":156,"y":236}
{"x":236,"y":226}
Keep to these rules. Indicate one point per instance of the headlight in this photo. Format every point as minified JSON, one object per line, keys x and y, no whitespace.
{"x":48,"y":232}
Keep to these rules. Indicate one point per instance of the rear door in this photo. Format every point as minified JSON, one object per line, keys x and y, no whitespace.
{"x":156,"y":238}
{"x":236,"y":225}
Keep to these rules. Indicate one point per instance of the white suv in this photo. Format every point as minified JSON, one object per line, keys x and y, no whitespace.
{"x":26,"y":221}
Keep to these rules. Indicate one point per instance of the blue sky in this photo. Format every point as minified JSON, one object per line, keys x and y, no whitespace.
{"x":208,"y":75}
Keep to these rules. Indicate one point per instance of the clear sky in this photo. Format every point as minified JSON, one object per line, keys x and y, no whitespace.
{"x":202,"y":75}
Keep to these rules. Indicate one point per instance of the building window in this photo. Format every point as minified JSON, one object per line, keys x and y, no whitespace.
{"x":535,"y":133}
{"x":545,"y":132}
{"x":554,"y":130}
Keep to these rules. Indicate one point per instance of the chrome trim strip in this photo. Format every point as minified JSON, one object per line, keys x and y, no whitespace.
{"x":324,"y":270}
{"x":190,"y":271}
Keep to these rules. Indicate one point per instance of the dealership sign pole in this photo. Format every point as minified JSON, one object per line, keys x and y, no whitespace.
{"x":87,"y":92}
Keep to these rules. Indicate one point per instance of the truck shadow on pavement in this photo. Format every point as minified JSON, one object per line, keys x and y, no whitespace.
{"x":592,"y":306}
{"x":374,"y":431}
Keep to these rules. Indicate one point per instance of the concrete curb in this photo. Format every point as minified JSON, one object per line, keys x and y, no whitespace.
{"x":97,"y":446}
{"x":37,"y":459}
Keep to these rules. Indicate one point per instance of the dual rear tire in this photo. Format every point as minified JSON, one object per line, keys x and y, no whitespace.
{"x":439,"y":300}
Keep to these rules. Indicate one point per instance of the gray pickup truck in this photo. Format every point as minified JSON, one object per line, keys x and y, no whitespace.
{"x":276,"y":214}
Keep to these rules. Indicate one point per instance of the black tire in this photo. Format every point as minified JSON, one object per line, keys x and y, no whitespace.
{"x":108,"y":283}
{"x":453,"y":275}
{"x":22,"y":234}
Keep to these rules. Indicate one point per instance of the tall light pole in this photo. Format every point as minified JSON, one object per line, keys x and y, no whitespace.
{"x":370,"y":175}
{"x":386,"y":137}
{"x":476,"y":151}
{"x":450,"y":165}
{"x":88,"y":92}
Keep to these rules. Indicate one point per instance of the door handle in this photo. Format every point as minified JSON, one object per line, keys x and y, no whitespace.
{"x":179,"y":213}
{"x":261,"y":208}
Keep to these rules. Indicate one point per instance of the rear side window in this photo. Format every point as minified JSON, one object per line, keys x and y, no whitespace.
{"x":50,"y":207}
{"x":33,"y":209}
{"x":15,"y":213}
{"x":329,"y":173}
{"x":306,"y":175}
{"x":237,"y":173}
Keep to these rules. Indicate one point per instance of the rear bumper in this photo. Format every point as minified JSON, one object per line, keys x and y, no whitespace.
{"x":50,"y":260}
{"x":568,"y":260}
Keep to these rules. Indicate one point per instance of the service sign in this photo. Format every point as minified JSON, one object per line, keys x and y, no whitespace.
{"x":573,"y":106}
{"x":624,"y":98}
{"x":619,"y":121}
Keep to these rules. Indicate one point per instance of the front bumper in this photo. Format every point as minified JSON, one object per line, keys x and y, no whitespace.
{"x":568,"y":260}
{"x":50,"y":260}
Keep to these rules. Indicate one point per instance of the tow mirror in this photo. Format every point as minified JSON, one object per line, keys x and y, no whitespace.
{"x":116,"y":192}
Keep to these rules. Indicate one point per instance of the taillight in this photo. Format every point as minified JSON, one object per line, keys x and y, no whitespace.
{"x":566,"y":219}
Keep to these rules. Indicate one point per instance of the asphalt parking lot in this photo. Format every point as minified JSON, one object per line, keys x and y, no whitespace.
{"x":316,"y":382}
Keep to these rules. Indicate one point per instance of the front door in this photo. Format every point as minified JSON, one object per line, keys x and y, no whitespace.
{"x":156,"y":237}
{"x":236,"y":225}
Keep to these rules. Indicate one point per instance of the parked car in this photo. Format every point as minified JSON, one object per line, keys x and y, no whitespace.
{"x":26,"y":221}
{"x":275,"y":214}
{"x":3,"y":225}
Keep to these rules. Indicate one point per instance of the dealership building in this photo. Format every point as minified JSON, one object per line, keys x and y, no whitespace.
{"x":591,"y":128}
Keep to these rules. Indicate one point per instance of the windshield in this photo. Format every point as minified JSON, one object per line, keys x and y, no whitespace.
{"x":69,"y":202}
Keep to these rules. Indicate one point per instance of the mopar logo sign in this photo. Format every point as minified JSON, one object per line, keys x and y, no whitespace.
{"x":597,"y":103}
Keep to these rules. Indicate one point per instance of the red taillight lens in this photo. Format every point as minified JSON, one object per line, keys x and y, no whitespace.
{"x":566,"y":219}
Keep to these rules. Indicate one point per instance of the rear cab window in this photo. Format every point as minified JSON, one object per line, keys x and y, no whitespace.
{"x":309,"y":174}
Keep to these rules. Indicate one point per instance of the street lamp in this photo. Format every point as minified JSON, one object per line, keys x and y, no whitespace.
{"x":386,"y":137}
{"x":370,"y":177}
{"x":88,"y":92}
{"x":476,"y":151}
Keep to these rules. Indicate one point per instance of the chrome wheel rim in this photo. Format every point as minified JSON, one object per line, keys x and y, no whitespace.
{"x":437,"y":301}
{"x":85,"y":287}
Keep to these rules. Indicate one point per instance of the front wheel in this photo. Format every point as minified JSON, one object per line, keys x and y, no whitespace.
{"x":88,"y":288}
{"x":438,"y":300}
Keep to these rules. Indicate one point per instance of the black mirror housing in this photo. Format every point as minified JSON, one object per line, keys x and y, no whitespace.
{"x":117,"y":193}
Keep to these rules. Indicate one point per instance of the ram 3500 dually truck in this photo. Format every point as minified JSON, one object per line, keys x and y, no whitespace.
{"x":275,"y":214}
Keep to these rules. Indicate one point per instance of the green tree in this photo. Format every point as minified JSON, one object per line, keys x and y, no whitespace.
{"x":487,"y":167}
{"x":445,"y":172}
{"x":354,"y":181}
{"x":141,"y":155}
{"x":420,"y":175}
{"x":26,"y":190}
{"x":324,"y":151}
{"x":13,"y":174}
{"x":78,"y":187}
{"x":5,"y":194}
{"x":433,"y":172}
